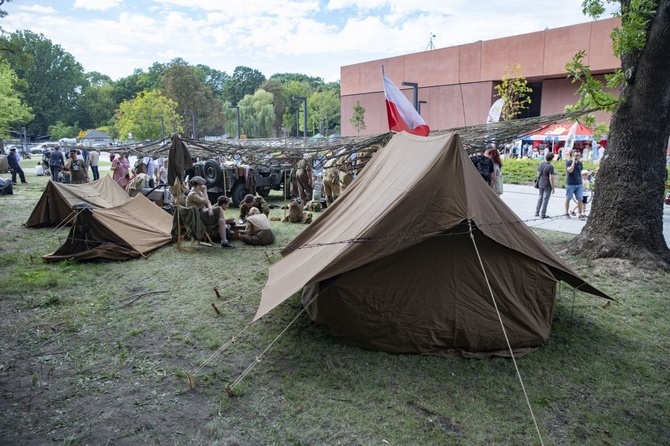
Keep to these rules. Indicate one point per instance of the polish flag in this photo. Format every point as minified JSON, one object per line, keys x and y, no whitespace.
{"x":401,"y":114}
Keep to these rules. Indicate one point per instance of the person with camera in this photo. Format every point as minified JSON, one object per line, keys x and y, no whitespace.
{"x":573,"y":183}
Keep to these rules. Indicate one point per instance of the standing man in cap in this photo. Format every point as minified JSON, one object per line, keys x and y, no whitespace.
{"x":77,"y":168}
{"x":15,"y":166}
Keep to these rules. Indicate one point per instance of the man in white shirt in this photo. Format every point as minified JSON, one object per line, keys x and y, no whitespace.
{"x":93,"y":161}
{"x":150,"y":170}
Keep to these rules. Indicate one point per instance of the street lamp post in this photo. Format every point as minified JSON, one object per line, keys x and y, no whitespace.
{"x":237,"y":107}
{"x":304,"y":102}
{"x":193,"y":135}
{"x":162,"y":127}
{"x":415,"y":87}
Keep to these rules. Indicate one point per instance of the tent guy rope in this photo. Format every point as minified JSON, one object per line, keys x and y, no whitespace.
{"x":502,"y":325}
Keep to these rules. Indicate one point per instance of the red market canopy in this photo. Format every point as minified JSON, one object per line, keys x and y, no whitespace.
{"x":559,"y":132}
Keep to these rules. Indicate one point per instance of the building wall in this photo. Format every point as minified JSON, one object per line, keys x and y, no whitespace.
{"x":458,"y":82}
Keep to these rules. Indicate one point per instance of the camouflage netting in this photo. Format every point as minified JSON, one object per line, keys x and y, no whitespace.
{"x":284,"y":151}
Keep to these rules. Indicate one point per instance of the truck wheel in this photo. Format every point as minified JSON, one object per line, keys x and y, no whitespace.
{"x":212,"y":173}
{"x":238,"y":194}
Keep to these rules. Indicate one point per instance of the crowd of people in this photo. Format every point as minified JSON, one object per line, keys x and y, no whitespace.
{"x":579,"y":181}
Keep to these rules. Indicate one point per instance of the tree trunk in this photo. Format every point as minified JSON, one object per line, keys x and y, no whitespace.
{"x":626,"y":219}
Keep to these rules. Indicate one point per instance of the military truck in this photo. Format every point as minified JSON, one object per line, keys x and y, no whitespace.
{"x":236,"y":181}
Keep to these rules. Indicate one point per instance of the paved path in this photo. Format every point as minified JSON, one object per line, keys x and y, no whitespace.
{"x":522,"y":200}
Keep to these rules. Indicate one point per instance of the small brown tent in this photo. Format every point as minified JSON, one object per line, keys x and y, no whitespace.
{"x":119,"y":233}
{"x":57,"y":201}
{"x":391,"y":265}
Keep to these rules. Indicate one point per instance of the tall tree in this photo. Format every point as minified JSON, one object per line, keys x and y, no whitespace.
{"x":244,"y":81}
{"x":626,"y":218}
{"x":324,"y":110}
{"x":293,"y":107}
{"x":215,"y":79}
{"x":96,"y":105}
{"x":278,"y":101}
{"x":257,"y":114}
{"x":314,"y":82}
{"x":54,"y":79}
{"x":13,"y":110}
{"x":184,"y":84}
{"x":143,"y":116}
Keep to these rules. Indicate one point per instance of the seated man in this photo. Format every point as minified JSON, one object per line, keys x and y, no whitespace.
{"x":212,"y":218}
{"x":257,"y":230}
{"x":222,"y":202}
{"x":250,"y":202}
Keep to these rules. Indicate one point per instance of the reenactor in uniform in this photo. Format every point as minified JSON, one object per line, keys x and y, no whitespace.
{"x":253,"y":202}
{"x":331,"y":180}
{"x":304,"y":177}
{"x":296,"y":213}
{"x":345,"y":170}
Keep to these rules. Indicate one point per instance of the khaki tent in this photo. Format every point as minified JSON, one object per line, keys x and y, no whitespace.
{"x":119,"y":233}
{"x":391,"y":264}
{"x":57,"y":201}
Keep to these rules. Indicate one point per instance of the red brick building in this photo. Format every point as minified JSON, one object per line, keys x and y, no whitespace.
{"x":457,"y":83}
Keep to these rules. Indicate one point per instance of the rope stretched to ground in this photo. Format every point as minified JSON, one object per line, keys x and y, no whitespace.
{"x":502,"y":325}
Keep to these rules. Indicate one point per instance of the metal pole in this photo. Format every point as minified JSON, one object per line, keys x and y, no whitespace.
{"x":415,"y":93}
{"x":193,"y":118}
{"x":237,"y":107}
{"x":239,"y":129}
{"x":304,"y":100}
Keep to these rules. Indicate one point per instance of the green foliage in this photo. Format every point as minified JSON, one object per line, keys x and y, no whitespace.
{"x":96,"y":105}
{"x":294,"y":88}
{"x":53,"y":79}
{"x":591,"y":91}
{"x":185,"y":85}
{"x":632,"y":34}
{"x":244,"y":81}
{"x":284,"y":78}
{"x":324,"y":109}
{"x":514,"y":90}
{"x":275,"y":88}
{"x":61,"y":130}
{"x":214,"y":79}
{"x":358,"y":118}
{"x":257,"y":114}
{"x":141,"y":116}
{"x":13,"y":109}
{"x":628,"y":39}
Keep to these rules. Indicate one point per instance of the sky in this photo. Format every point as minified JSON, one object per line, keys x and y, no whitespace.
{"x":313,"y":37}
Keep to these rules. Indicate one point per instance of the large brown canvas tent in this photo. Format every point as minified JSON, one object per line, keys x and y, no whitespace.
{"x":119,"y":233}
{"x":392,"y":265}
{"x":57,"y":201}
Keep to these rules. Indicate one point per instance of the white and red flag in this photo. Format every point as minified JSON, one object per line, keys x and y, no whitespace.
{"x":401,"y":114}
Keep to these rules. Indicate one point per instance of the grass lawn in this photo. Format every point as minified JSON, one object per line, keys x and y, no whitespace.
{"x":98,"y":353}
